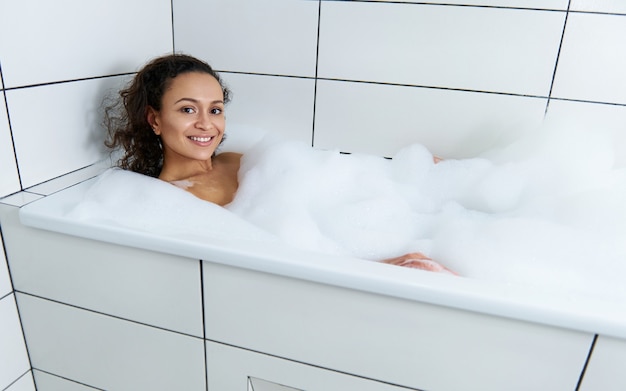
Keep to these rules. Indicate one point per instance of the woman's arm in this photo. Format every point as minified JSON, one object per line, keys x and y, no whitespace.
{"x":418,"y":261}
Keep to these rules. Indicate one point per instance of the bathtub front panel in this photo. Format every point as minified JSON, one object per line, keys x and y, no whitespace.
{"x":392,"y":340}
{"x":228,"y":367}
{"x":607,"y":367}
{"x":109,"y":353}
{"x":148,"y":287}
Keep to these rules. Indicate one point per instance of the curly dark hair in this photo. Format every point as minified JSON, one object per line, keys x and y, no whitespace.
{"x":126,"y":118}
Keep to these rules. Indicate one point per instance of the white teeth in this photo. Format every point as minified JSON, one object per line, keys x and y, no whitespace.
{"x":200,"y":139}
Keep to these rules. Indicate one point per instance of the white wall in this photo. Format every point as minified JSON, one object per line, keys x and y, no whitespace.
{"x":358,"y":76}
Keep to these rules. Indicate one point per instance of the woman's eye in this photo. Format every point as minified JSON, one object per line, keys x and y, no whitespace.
{"x":188,"y":110}
{"x":216,"y":111}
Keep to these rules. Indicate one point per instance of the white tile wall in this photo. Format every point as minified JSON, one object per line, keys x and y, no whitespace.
{"x":484,"y":49}
{"x":610,"y":119}
{"x":56,"y":127}
{"x":381,"y":119}
{"x":273,"y":37}
{"x":13,"y":357}
{"x":9,"y":180}
{"x":277,"y":104}
{"x":5,"y":280}
{"x":25,"y":383}
{"x":615,"y":6}
{"x":46,"y":41}
{"x":532,"y":4}
{"x":47,"y":382}
{"x":593,"y":59}
{"x":109,"y":353}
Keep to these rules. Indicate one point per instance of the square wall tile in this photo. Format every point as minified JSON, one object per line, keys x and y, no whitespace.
{"x":610,"y":6}
{"x":595,"y":117}
{"x":605,"y":370}
{"x":281,"y":105}
{"x":5,"y":278}
{"x":13,"y":357}
{"x":26,"y":383}
{"x":272,"y":37}
{"x":470,"y":48}
{"x":45,"y":41}
{"x":593,"y":59}
{"x":57,"y":128}
{"x":9,"y":180}
{"x":381,"y":119}
{"x":48,"y":382}
{"x":109,"y":353}
{"x":532,"y":4}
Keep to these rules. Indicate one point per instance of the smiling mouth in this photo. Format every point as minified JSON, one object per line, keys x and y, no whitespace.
{"x":200,"y":139}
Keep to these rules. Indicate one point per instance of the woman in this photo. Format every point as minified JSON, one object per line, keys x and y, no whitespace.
{"x":170,"y":125}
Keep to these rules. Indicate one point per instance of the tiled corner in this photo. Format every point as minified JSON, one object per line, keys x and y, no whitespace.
{"x":13,"y":357}
{"x":27,"y":383}
{"x":48,"y":382}
{"x":470,"y":48}
{"x":279,"y":105}
{"x":66,"y":134}
{"x":9,"y":180}
{"x":381,"y":119}
{"x":109,"y":353}
{"x":5,"y":279}
{"x":54,"y":41}
{"x":592,"y":60}
{"x":271,"y":37}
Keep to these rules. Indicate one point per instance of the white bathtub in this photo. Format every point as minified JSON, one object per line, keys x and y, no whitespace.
{"x":245,"y":308}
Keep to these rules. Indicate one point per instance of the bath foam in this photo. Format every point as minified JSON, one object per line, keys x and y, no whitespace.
{"x":538,"y":212}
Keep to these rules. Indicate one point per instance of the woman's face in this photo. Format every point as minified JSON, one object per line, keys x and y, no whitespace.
{"x":191,"y":120}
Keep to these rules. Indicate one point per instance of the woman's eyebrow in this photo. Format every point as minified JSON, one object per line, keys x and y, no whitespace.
{"x":197,"y":101}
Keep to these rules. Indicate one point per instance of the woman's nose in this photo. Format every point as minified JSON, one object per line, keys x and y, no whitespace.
{"x":204,"y":121}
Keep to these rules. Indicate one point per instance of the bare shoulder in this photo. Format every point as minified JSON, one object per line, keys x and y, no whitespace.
{"x":229,"y":157}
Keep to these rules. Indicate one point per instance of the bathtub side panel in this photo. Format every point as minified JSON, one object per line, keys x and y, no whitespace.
{"x":109,"y":353}
{"x":143,"y":286}
{"x":391,"y":340}
{"x":606,"y":370}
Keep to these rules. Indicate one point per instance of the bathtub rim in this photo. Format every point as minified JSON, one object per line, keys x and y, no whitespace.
{"x":514,"y":301}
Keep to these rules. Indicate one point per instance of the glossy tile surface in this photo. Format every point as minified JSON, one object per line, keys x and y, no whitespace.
{"x":147,"y":287}
{"x":9,"y":180}
{"x":71,"y":136}
{"x":48,"y":382}
{"x":273,"y":37}
{"x":13,"y":357}
{"x":25,"y":383}
{"x":611,"y":6}
{"x":280,"y":105}
{"x":593,"y":59}
{"x":475,"y":48}
{"x":109,"y":353}
{"x":609,"y":120}
{"x":606,"y":368}
{"x":533,"y":4}
{"x":5,"y":280}
{"x":381,"y":119}
{"x":72,"y":39}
